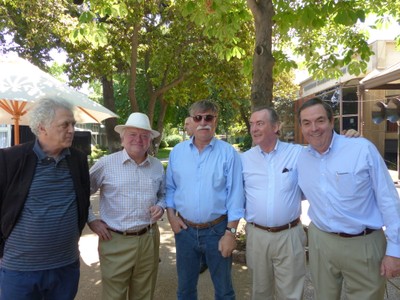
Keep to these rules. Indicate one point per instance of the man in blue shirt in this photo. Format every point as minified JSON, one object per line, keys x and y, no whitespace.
{"x":352,"y":196}
{"x":204,"y":195}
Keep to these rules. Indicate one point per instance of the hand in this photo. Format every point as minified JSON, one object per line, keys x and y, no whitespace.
{"x":176,"y":223}
{"x":156,"y":212}
{"x":227,"y":244}
{"x":390,"y":266}
{"x":101,"y":229}
{"x":350,"y":133}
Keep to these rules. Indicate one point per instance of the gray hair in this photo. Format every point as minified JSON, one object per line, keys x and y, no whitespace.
{"x":44,"y":111}
{"x":203,"y":106}
{"x":273,"y":115}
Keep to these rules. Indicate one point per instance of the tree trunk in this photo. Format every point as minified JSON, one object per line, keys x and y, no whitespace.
{"x":263,"y":61}
{"x":113,"y":138}
{"x":134,"y":59}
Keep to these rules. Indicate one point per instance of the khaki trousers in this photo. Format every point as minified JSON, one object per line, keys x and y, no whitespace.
{"x":353,"y":263}
{"x":129,"y":265}
{"x":277,"y":262}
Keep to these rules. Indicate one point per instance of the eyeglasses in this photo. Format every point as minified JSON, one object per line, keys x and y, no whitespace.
{"x":207,"y":118}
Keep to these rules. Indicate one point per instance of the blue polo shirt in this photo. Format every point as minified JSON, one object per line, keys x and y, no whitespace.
{"x":46,"y":234}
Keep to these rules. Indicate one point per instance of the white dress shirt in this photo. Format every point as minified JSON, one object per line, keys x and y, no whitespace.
{"x":349,"y":189}
{"x":273,"y":197}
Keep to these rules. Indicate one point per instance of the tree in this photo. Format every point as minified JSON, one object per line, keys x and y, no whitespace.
{"x":32,"y":29}
{"x":325,"y":34}
{"x":157,"y":45}
{"x":175,"y":47}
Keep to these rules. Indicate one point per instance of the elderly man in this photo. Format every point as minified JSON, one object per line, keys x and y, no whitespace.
{"x":204,"y":203}
{"x":44,"y":200}
{"x":131,"y":184}
{"x":352,"y":196}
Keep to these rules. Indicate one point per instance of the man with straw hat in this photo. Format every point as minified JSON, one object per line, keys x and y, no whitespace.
{"x":131,"y":184}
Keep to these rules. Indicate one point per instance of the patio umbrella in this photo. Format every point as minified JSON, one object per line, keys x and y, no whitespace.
{"x":22,"y":83}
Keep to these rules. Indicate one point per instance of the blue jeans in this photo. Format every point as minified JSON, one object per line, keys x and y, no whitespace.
{"x":54,"y":284}
{"x":191,"y":244}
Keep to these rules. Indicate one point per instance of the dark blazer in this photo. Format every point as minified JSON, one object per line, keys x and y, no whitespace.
{"x":17,"y":167}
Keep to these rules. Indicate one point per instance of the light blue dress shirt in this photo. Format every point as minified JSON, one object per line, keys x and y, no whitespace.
{"x":349,"y":189}
{"x":203,"y":186}
{"x":273,"y":197}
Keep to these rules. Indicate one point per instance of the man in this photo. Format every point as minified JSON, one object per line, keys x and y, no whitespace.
{"x":352,"y":196}
{"x":131,"y":184}
{"x":204,"y":204}
{"x":44,"y":205}
{"x":188,"y":126}
{"x":275,"y":238}
{"x":189,"y":130}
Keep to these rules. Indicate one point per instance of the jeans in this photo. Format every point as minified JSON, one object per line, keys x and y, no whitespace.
{"x":191,"y":244}
{"x":54,"y":284}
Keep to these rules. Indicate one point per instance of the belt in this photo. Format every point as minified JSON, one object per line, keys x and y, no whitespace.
{"x":203,"y":225}
{"x":346,"y":235}
{"x":279,"y":228}
{"x":137,"y":233}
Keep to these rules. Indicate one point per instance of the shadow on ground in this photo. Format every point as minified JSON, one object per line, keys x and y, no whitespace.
{"x":90,"y":282}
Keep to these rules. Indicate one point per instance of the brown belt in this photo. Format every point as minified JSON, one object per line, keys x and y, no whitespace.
{"x":279,"y":228}
{"x":346,"y":235}
{"x":137,"y":233}
{"x":203,"y":225}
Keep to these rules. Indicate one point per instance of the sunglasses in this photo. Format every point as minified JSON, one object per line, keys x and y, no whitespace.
{"x":207,"y":118}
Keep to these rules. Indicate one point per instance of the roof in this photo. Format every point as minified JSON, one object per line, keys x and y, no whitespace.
{"x":385,"y":79}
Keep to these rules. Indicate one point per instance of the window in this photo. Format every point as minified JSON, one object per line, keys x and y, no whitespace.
{"x":5,"y":136}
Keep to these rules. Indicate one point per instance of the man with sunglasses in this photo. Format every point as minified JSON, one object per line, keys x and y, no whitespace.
{"x":205,"y":202}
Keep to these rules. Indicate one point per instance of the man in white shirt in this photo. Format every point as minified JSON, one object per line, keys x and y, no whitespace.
{"x":131,"y":184}
{"x":275,"y":236}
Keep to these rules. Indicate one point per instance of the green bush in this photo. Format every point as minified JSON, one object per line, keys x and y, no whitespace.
{"x":97,"y":152}
{"x":246,"y":144}
{"x":163,"y":144}
{"x":172,"y":140}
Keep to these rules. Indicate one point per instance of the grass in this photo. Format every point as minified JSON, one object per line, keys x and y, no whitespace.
{"x":163,"y":153}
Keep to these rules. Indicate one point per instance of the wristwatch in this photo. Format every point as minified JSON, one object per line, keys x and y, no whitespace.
{"x":231,"y":230}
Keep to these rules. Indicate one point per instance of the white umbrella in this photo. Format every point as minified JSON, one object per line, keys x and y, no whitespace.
{"x":22,"y":83}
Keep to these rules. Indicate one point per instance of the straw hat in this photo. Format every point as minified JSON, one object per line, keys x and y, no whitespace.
{"x":137,"y":120}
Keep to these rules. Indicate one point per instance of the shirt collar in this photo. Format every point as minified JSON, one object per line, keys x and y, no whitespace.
{"x":126,"y":157}
{"x":211,"y":144}
{"x":277,"y":145}
{"x":334,"y":137}
{"x":43,"y":157}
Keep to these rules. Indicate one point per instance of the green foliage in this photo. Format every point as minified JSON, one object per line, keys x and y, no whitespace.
{"x":163,"y":144}
{"x":246,"y":144}
{"x":189,"y":50}
{"x":97,"y":152}
{"x":163,"y":153}
{"x":173,"y":140}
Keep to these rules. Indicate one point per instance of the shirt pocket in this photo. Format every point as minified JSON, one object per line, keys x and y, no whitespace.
{"x":344,"y":183}
{"x":289,"y":180}
{"x":156,"y":182}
